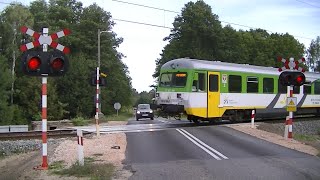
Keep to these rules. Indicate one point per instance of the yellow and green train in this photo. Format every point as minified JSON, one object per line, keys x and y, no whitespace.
{"x":211,"y":90}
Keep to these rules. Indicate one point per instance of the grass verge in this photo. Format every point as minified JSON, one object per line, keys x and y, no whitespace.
{"x":80,"y":121}
{"x":312,"y":140}
{"x":120,"y":117}
{"x":89,"y":169}
{"x":306,"y":138}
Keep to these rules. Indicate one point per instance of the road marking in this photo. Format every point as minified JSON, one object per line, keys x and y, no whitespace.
{"x":164,"y":121}
{"x":202,"y":145}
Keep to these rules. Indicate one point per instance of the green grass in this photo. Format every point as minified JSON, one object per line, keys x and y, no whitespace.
{"x":89,"y":169}
{"x":305,"y":138}
{"x":80,"y":121}
{"x":120,"y":117}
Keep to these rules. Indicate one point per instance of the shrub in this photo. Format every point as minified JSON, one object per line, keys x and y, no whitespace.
{"x":79,"y":121}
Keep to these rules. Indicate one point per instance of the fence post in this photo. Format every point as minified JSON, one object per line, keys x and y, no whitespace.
{"x":80,"y":147}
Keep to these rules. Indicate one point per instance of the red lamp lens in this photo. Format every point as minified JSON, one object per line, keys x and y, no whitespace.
{"x":57,"y":64}
{"x":299,"y":79}
{"x":34,"y":63}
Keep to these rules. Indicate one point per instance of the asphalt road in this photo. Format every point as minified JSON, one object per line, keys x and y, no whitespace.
{"x":212,"y":152}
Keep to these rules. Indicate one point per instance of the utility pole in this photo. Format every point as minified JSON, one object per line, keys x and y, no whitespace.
{"x":98,"y":93}
{"x":13,"y":63}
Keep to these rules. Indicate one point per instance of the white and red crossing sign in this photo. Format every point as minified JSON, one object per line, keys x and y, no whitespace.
{"x":40,"y":39}
{"x":291,"y":64}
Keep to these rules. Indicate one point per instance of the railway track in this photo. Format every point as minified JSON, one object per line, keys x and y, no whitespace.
{"x":72,"y":132}
{"x":38,"y":134}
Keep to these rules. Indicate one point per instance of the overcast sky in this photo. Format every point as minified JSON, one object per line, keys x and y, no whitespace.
{"x":143,"y":44}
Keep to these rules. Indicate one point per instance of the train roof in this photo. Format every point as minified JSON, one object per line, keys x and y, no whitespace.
{"x":186,"y":63}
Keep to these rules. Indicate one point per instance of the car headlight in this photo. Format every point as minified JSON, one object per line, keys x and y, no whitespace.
{"x":138,"y":112}
{"x":151,"y":111}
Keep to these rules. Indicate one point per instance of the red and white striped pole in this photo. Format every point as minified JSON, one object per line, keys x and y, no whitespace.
{"x":290,"y":116}
{"x":80,"y":147}
{"x":252,"y":118}
{"x":289,"y":119}
{"x":44,"y":165}
{"x":286,"y":128}
{"x":44,"y":124}
{"x":97,"y":103}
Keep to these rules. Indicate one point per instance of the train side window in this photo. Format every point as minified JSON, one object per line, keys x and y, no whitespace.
{"x":252,"y":85}
{"x":199,"y":82}
{"x":235,"y":84}
{"x":213,"y":83}
{"x":268,"y":85}
{"x":317,"y":88}
{"x":202,"y":82}
{"x":307,"y":89}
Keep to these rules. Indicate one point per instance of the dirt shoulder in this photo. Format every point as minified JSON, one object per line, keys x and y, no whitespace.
{"x":101,"y":149}
{"x":274,"y":138}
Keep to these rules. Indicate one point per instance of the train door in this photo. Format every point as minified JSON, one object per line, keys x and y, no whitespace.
{"x":213,"y":94}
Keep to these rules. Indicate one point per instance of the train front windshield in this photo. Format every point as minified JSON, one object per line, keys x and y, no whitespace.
{"x":173,"y":79}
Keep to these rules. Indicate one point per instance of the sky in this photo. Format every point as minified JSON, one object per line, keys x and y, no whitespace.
{"x":143,"y":44}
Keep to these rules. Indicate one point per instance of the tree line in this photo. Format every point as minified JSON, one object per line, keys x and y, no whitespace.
{"x":197,"y":33}
{"x":71,"y":95}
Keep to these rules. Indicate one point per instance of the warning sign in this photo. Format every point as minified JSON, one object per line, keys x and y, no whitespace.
{"x":292,"y":104}
{"x":224,"y":78}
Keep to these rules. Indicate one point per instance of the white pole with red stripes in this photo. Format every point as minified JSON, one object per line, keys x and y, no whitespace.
{"x":290,"y":116}
{"x":80,"y":147}
{"x":286,"y":128}
{"x":97,"y":103}
{"x":44,"y":111}
{"x":252,"y":118}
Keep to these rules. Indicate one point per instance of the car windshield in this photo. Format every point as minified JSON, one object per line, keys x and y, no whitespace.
{"x":144,"y":106}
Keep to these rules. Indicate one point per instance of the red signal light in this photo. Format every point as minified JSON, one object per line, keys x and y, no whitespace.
{"x":57,"y":64}
{"x":34,"y":63}
{"x":299,"y":79}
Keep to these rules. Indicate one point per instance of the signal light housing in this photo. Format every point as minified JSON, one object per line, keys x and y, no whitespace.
{"x":93,"y":80}
{"x":32,"y":63}
{"x":58,"y":64}
{"x":38,"y":63}
{"x":292,"y":78}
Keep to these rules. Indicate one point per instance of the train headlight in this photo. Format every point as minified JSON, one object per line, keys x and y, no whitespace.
{"x":151,"y":111}
{"x":138,"y":112}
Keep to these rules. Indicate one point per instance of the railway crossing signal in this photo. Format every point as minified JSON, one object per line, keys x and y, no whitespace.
{"x":42,"y":39}
{"x":292,"y":78}
{"x":292,"y":74}
{"x":102,"y":80}
{"x":38,"y":63}
{"x":44,"y":63}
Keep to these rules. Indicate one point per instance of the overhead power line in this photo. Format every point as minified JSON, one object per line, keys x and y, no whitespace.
{"x":150,"y":7}
{"x":5,"y":3}
{"x":141,"y":23}
{"x":308,"y":3}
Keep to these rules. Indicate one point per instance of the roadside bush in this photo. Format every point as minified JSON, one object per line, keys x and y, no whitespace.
{"x":79,"y":121}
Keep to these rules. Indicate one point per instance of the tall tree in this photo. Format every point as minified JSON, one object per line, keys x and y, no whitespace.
{"x":71,"y":95}
{"x":196,"y":34}
{"x":5,"y":114}
{"x":313,"y":55}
